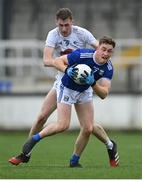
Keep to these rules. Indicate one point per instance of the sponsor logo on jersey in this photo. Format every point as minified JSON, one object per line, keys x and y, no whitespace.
{"x":77,"y":43}
{"x":67,"y":42}
{"x":101,"y":72}
{"x":95,"y":69}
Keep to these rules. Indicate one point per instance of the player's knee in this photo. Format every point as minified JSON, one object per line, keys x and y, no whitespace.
{"x":66,"y":126}
{"x":63,"y":127}
{"x":88,"y":130}
{"x":42,"y":118}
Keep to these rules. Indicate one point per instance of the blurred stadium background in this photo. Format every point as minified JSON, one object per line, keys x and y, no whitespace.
{"x":24,"y":81}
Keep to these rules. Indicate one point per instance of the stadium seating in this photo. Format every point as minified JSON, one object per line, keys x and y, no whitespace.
{"x":33,"y":19}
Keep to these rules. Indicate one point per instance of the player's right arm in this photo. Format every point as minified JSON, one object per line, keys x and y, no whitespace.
{"x":67,"y":63}
{"x":48,"y":56}
{"x":50,"y":44}
{"x":61,"y":63}
{"x":102,"y":88}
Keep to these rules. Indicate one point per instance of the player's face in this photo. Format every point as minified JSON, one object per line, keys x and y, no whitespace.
{"x":64,"y":26}
{"x":104,"y":53}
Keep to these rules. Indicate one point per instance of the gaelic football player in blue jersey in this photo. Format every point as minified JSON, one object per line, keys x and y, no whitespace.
{"x":68,"y":93}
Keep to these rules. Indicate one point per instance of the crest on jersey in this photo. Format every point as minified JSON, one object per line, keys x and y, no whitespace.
{"x":109,"y":66}
{"x":66,"y":98}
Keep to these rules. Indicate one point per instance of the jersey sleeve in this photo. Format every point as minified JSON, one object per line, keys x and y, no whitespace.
{"x":108,"y":75}
{"x":74,"y":57}
{"x":51,"y":39}
{"x":90,"y":39}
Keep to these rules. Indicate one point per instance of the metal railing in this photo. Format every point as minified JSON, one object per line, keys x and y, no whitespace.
{"x":21,"y":66}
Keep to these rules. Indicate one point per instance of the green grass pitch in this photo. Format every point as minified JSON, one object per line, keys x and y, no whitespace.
{"x":50,"y":158}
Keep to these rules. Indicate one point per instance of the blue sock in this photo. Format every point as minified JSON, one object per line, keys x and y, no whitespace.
{"x":74,"y":159}
{"x":36,"y":137}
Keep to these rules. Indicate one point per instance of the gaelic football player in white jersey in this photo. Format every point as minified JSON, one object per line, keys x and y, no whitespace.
{"x":64,"y":39}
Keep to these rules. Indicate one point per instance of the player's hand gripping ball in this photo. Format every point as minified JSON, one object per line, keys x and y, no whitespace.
{"x":84,"y":75}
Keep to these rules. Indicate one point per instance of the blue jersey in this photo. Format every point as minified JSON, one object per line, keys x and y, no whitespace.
{"x":85,"y":56}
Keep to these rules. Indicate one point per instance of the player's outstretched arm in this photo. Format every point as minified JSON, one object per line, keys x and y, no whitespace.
{"x":102,"y":88}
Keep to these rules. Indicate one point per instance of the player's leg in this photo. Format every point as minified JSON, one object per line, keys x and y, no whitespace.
{"x":85,"y":115}
{"x":63,"y":122}
{"x":100,"y":133}
{"x":49,"y":105}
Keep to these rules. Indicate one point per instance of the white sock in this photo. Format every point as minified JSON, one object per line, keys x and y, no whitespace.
{"x":109,"y":144}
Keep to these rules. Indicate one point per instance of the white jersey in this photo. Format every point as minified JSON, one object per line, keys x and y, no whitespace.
{"x":79,"y":38}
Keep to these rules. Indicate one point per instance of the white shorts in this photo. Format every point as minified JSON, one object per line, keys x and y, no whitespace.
{"x":58,"y":80}
{"x":69,"y":96}
{"x":55,"y":85}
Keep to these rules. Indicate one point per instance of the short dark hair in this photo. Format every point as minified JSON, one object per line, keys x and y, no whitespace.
{"x":107,"y":40}
{"x":64,"y":13}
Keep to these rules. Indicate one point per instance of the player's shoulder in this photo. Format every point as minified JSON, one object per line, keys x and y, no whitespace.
{"x":80,"y":30}
{"x":54,"y":32}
